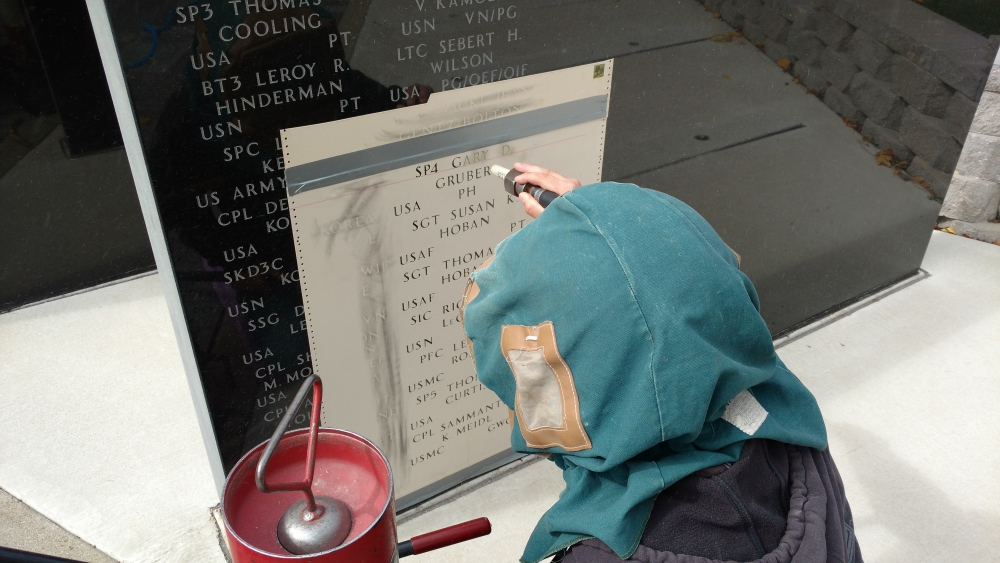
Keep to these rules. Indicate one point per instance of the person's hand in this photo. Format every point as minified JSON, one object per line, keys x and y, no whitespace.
{"x":545,"y":179}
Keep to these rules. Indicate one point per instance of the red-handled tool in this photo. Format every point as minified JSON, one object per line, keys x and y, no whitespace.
{"x":445,"y":537}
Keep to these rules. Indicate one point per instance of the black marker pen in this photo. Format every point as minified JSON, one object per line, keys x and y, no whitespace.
{"x":542,"y":196}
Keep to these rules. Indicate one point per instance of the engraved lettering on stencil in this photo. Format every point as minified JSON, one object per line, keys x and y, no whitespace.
{"x":464,"y":227}
{"x":464,"y":393}
{"x":472,"y":419}
{"x":421,"y":430}
{"x":416,"y":256}
{"x":426,"y":389}
{"x":452,"y":122}
{"x":453,"y":313}
{"x":472,"y":209}
{"x":357,"y":227}
{"x":406,"y":208}
{"x":465,"y":112}
{"x":470,"y":158}
{"x":460,"y":266}
{"x":426,"y":456}
{"x":459,"y":178}
{"x":426,"y":346}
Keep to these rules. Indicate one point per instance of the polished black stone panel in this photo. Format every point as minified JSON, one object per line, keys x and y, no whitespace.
{"x":76,"y":76}
{"x":793,"y":191}
{"x":69,"y":215}
{"x":695,"y":111}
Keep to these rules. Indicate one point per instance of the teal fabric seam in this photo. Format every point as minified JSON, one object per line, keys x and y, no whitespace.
{"x":696,"y":228}
{"x":635,"y":299}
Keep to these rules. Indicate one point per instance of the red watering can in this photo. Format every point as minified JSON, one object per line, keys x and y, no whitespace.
{"x":320,"y":495}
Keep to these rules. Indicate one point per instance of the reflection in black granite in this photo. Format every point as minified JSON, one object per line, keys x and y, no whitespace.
{"x":76,"y":78}
{"x":696,"y":111}
{"x":69,"y":215}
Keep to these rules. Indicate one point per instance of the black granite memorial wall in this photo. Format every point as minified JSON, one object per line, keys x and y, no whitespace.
{"x":696,"y":111}
{"x":69,"y":216}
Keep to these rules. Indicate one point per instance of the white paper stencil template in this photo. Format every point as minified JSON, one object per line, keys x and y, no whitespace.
{"x":390,"y":213}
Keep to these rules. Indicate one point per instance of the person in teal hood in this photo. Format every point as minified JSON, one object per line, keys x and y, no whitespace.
{"x":620,"y":332}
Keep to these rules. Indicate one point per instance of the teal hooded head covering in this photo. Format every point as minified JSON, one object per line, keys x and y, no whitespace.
{"x":619,"y":330}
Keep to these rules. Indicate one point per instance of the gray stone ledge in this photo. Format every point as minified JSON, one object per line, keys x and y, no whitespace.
{"x":958,"y":117}
{"x":980,"y":157}
{"x":971,"y":200}
{"x":885,"y":138}
{"x":954,"y":54}
{"x":751,"y":10}
{"x":774,"y":25}
{"x":993,"y":82}
{"x":927,"y":137}
{"x":833,"y":30}
{"x":938,"y":181}
{"x":799,"y":12}
{"x":730,"y":14}
{"x":877,"y":100}
{"x":838,"y":68}
{"x":805,"y":45}
{"x":985,"y":232}
{"x":870,"y":55}
{"x":777,"y":51}
{"x":811,"y":77}
{"x":987,"y":118}
{"x":754,"y":32}
{"x":841,"y":104}
{"x":920,"y":88}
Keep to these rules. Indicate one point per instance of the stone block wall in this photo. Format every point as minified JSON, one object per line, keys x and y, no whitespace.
{"x":974,"y":196}
{"x":905,"y":77}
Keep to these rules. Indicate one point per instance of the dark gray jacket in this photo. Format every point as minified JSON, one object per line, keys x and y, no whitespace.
{"x":777,"y":504}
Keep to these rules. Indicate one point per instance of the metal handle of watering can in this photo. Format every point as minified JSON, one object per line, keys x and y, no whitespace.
{"x":305,"y":485}
{"x":445,"y":537}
